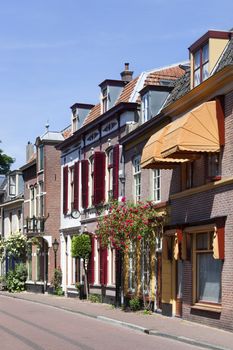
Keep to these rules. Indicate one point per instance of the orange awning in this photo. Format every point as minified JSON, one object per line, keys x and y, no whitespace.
{"x":195,"y":132}
{"x":151,"y":155}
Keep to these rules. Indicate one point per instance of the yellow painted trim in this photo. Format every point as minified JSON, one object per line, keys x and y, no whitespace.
{"x":138,"y":269}
{"x":201,"y":228}
{"x":203,"y":188}
{"x":173,"y":296}
{"x":216,"y":48}
{"x":126,"y":273}
{"x":152,"y":267}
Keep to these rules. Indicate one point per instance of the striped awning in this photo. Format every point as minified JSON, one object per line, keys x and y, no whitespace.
{"x":151,"y":155}
{"x":195,"y":132}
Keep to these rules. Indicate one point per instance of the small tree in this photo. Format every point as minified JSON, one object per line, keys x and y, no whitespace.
{"x":5,"y":162}
{"x":81,"y":248}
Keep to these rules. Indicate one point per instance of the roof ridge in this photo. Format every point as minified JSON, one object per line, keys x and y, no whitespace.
{"x":167,"y":67}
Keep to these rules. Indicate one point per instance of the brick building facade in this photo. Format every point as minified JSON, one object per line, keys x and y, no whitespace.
{"x":42,"y":183}
{"x":197,"y":243}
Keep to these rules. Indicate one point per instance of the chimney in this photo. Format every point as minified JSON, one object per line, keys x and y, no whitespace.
{"x":127,"y":75}
{"x":29,"y":151}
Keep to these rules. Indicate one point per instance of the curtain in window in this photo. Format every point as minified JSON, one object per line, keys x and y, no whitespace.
{"x":209,"y":278}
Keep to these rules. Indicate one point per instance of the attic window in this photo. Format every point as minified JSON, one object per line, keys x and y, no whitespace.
{"x":12,"y":186}
{"x":201,"y":63}
{"x":104,"y":99}
{"x":145,"y":108}
{"x":75,"y":120}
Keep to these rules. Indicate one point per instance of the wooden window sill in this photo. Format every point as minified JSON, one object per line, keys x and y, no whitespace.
{"x":207,"y":307}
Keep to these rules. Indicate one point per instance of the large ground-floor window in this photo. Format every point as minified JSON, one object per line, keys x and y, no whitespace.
{"x":208,"y":269}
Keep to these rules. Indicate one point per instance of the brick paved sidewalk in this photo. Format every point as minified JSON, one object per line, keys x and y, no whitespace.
{"x":210,"y":338}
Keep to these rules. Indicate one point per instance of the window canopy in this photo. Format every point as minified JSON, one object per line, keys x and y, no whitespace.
{"x":151,"y":155}
{"x":196,"y":131}
{"x":183,"y":139}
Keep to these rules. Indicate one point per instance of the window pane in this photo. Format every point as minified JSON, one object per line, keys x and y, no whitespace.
{"x":197,"y":59}
{"x":209,"y":278}
{"x":197,"y":77}
{"x":205,"y":53}
{"x":202,"y":241}
{"x":205,"y":72}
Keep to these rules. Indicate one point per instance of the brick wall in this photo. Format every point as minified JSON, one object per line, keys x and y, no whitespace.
{"x":52,"y":183}
{"x":205,"y":205}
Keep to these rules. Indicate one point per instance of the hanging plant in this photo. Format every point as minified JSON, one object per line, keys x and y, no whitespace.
{"x":16,"y":246}
{"x":127,"y":222}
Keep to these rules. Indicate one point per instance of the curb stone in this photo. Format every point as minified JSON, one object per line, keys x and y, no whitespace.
{"x":189,"y":341}
{"x":135,"y":327}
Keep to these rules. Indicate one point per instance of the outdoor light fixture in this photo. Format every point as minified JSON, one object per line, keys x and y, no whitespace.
{"x":55,"y":245}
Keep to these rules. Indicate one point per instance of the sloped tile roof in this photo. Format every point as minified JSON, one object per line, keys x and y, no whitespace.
{"x":67,"y":133}
{"x":227,"y":57}
{"x":181,"y":87}
{"x":155,"y":78}
{"x":127,"y":91}
{"x":94,"y":113}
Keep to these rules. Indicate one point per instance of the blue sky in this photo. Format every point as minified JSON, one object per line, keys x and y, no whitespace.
{"x":55,"y":53}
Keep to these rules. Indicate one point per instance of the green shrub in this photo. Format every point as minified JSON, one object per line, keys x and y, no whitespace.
{"x":95,"y":298}
{"x":134,"y":304}
{"x":59,"y":291}
{"x":15,"y":279}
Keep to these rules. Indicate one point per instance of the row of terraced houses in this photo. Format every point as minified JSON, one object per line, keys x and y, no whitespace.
{"x":165,"y":136}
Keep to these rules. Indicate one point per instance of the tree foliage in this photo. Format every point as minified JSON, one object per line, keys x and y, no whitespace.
{"x":81,"y":246}
{"x":5,"y":162}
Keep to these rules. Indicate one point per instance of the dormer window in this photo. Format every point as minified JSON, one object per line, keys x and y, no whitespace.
{"x":201,"y":62}
{"x":145,"y":107}
{"x":104,"y":100}
{"x":12,"y":185}
{"x":74,"y":120}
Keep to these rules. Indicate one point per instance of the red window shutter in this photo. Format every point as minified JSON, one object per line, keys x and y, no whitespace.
{"x":76,"y":185}
{"x":91,"y":264}
{"x":99,"y":177}
{"x":219,"y":241}
{"x":104,"y":266}
{"x":65,"y":190}
{"x":116,"y":171}
{"x":85,"y":178}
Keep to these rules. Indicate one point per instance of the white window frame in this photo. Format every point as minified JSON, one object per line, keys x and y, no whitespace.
{"x":137,"y":178}
{"x":91,"y":181}
{"x":132,"y":267}
{"x":145,"y":107}
{"x":12,"y":185}
{"x":157,"y":185}
{"x":110,"y":174}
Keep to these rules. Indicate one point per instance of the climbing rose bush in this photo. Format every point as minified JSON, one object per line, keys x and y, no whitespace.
{"x":127,"y":222}
{"x":16,"y":245}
